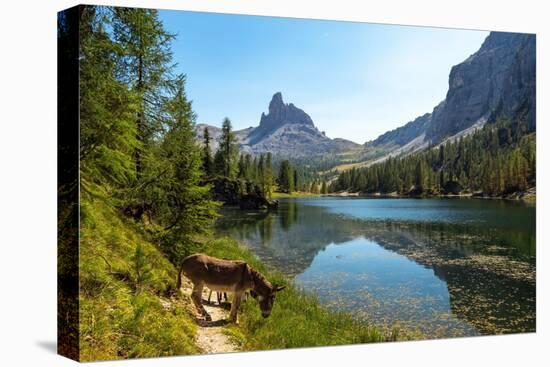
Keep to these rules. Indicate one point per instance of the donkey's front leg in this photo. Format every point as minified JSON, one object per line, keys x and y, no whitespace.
{"x":196,"y":296}
{"x":235,"y":304}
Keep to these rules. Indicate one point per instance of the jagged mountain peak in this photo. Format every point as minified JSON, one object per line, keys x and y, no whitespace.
{"x":286,"y":130}
{"x":276,"y":102}
{"x":279,"y":115}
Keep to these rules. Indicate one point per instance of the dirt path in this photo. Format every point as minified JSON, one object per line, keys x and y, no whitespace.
{"x":210,"y":336}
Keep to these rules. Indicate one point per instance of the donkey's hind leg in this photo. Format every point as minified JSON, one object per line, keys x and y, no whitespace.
{"x":196,"y":296}
{"x":235,"y":304}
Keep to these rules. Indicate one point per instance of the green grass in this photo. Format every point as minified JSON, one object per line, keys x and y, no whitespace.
{"x":298,"y":319}
{"x":295,"y":194}
{"x":120,"y":315}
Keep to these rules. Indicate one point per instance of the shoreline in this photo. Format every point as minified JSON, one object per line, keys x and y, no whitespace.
{"x":528,"y":196}
{"x":295,"y":194}
{"x":284,"y":328}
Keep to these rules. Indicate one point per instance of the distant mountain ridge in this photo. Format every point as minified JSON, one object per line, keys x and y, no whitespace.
{"x":286,"y":130}
{"x":496,"y":81}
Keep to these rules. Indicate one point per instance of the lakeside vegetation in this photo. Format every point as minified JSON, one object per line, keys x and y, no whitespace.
{"x":295,"y":194}
{"x":146,"y":203}
{"x":254,"y":175}
{"x":122,"y":275}
{"x":125,"y":279}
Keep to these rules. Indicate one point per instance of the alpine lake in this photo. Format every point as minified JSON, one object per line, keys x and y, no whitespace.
{"x":434,"y":268}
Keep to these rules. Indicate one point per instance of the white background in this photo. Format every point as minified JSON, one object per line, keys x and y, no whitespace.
{"x":28,"y":182}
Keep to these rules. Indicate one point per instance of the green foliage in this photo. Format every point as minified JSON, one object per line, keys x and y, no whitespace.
{"x":496,"y":160}
{"x":138,"y":142}
{"x":225,"y":159}
{"x":144,"y":205}
{"x":141,"y":268}
{"x":107,"y":132}
{"x":286,"y":177}
{"x":207,"y":162}
{"x":173,"y":192}
{"x":138,"y":157}
{"x":324,"y":188}
{"x":257,"y":174}
{"x":116,"y":320}
{"x":314,"y":188}
{"x":145,"y":65}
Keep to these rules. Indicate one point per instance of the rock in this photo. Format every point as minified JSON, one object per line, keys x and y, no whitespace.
{"x":254,"y":202}
{"x":226,"y":190}
{"x":405,"y":134}
{"x":285,"y":130}
{"x":496,"y":81}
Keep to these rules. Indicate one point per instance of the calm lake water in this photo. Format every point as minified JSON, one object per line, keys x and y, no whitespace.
{"x":434,"y":267}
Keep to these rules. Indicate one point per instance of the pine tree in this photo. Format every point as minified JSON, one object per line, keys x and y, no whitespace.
{"x":145,"y":65}
{"x":107,"y":129}
{"x":225,"y":159}
{"x":498,"y":159}
{"x":248,"y":169}
{"x":324,"y":189}
{"x":420,"y":176}
{"x":286,"y":177}
{"x":314,"y":189}
{"x":261,"y":175}
{"x":207,"y":162}
{"x":241,"y":172}
{"x":268,"y":181}
{"x":179,"y":203}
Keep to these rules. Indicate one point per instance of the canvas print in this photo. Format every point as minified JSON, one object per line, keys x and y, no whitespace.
{"x":233,"y":183}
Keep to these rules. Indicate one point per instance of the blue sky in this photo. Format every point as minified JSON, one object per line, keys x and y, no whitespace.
{"x":355,"y":80}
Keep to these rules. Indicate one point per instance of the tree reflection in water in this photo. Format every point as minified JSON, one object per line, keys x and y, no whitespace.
{"x":489,"y":271}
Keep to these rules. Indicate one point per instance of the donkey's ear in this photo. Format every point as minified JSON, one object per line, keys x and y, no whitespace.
{"x":279,"y":288}
{"x":253,"y":294}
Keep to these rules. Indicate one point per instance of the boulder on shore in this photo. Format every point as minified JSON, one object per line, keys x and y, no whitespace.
{"x":253,"y":202}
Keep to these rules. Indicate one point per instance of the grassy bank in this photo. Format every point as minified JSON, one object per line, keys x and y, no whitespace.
{"x":122,"y":275}
{"x":297,"y":320}
{"x":296,"y":194}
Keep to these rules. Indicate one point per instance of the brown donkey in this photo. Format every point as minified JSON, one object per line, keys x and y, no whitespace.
{"x":226,"y":276}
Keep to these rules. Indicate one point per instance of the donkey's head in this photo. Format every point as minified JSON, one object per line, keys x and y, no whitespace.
{"x":267,"y":298}
{"x":264,"y":292}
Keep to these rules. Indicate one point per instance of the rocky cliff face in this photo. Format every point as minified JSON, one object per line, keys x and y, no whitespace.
{"x":496,"y":81}
{"x":280,"y":114}
{"x":286,"y":130}
{"x":406,"y":133}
